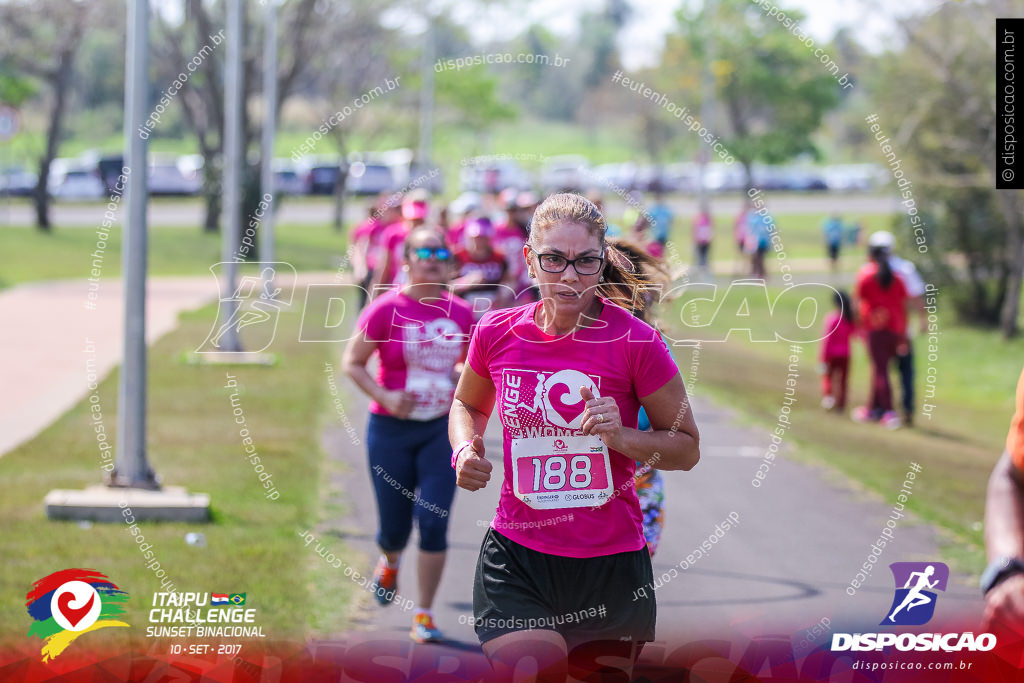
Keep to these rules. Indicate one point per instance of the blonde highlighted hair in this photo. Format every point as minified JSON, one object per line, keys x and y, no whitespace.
{"x":621,"y":284}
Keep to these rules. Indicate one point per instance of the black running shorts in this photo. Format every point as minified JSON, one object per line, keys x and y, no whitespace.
{"x":583,"y":599}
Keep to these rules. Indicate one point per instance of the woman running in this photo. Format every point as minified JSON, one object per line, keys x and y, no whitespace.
{"x":569,"y":374}
{"x":419,"y":333}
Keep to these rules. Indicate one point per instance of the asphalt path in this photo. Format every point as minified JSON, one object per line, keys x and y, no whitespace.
{"x":801,"y":538}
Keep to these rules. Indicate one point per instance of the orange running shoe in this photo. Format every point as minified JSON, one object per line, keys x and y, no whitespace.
{"x":424,"y":630}
{"x":385,"y":582}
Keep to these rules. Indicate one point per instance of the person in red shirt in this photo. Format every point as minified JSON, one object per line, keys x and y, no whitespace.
{"x":510,"y":237}
{"x":883,"y":299}
{"x":483,"y":278}
{"x":835,"y":353}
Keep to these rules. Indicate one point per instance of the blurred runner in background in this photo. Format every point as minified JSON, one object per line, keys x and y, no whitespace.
{"x":882,"y":298}
{"x":839,"y":329}
{"x":703,"y":231}
{"x":832,"y":229}
{"x":415,"y":211}
{"x":915,"y":286}
{"x":407,"y":434}
{"x":509,"y":239}
{"x":483,"y":279}
{"x":366,"y":244}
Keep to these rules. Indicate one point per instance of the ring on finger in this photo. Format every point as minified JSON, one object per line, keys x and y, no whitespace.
{"x":600,"y":418}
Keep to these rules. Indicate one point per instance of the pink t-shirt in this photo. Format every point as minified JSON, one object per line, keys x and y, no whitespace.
{"x":392,"y":242}
{"x":369,"y":232}
{"x":838,"y":331}
{"x":509,"y":239}
{"x":554,"y":475}
{"x":373,"y":254}
{"x":419,"y":343}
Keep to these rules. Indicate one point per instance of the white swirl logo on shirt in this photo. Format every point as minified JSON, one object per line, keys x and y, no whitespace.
{"x":563,"y":404}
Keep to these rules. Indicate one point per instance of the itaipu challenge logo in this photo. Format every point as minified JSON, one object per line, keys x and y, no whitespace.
{"x":70,"y":603}
{"x":914,"y":601}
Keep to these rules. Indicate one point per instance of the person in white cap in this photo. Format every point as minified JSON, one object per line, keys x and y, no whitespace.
{"x":914,"y":285}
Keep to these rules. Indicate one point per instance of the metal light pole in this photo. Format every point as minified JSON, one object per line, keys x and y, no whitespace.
{"x":231,"y":225}
{"x":427,"y":95}
{"x":706,"y":96}
{"x":131,"y":467}
{"x":269,"y":130}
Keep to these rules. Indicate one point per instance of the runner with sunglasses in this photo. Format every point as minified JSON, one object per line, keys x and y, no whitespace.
{"x":419,"y":333}
{"x":568,"y":376}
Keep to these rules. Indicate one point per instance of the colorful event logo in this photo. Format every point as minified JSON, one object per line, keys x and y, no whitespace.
{"x":914,"y":602}
{"x":71,"y":602}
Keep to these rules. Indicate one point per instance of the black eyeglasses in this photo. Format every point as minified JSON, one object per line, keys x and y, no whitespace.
{"x":440,"y":253}
{"x":584,"y":265}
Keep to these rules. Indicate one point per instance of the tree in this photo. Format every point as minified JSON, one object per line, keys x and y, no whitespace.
{"x":358,"y":56}
{"x":40,"y":40}
{"x":202,"y":95}
{"x":771,"y":88}
{"x":937,"y":97}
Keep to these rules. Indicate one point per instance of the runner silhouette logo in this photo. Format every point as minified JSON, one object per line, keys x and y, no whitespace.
{"x":916,"y":586}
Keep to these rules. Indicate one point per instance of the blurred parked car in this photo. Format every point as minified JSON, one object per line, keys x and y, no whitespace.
{"x":417,"y":174}
{"x":17,"y":182}
{"x":369,"y":179}
{"x":681,"y":177}
{"x":568,"y":172}
{"x":322,"y":176}
{"x":70,"y":179}
{"x":605,"y":177}
{"x":287,"y":178}
{"x":494,"y":176}
{"x":719,"y":177}
{"x":851,"y":177}
{"x":165,"y":178}
{"x":110,"y":167}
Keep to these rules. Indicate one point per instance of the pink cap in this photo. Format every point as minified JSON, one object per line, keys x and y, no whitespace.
{"x":412,"y":210}
{"x":480,"y":227}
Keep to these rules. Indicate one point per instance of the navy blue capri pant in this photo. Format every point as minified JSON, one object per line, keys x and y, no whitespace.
{"x":410,"y":465}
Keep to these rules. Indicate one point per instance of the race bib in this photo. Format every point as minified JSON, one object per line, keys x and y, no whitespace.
{"x":561,"y":472}
{"x":432,"y":391}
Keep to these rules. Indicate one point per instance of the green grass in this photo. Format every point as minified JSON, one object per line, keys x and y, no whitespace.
{"x":66,"y":252}
{"x":193,"y":440}
{"x":976,"y":374}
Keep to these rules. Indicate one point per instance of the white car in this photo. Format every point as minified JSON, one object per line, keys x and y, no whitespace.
{"x":165,"y":177}
{"x":568,"y":172}
{"x":67,"y":181}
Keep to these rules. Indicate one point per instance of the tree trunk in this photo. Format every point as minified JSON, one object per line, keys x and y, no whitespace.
{"x":60,"y":83}
{"x":1015,"y":248}
{"x":211,"y":223}
{"x":41,"y":195}
{"x":211,"y":190}
{"x":748,"y":175}
{"x":339,"y":199}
